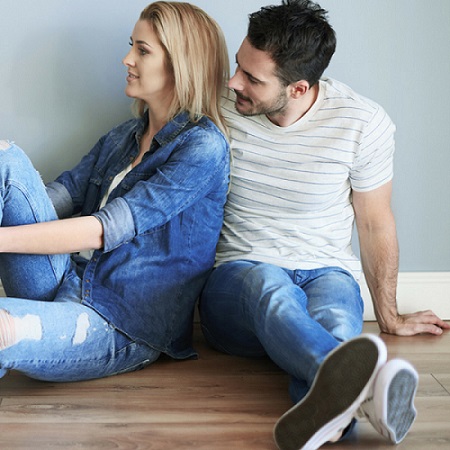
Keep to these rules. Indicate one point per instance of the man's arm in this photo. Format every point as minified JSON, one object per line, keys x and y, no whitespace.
{"x":379,"y":256}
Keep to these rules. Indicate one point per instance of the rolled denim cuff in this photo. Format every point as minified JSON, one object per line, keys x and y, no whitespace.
{"x":61,"y":199}
{"x":118,"y":224}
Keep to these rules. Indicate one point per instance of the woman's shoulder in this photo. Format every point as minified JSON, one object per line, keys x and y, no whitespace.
{"x":212,"y":138}
{"x":206,"y":124}
{"x":204,"y":129}
{"x":202,"y":140}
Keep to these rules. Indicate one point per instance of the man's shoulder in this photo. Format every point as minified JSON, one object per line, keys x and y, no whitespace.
{"x":339,"y":96}
{"x":337,"y":91}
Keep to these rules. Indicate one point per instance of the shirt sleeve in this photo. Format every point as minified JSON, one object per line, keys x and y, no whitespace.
{"x":374,"y":165}
{"x":115,"y":233}
{"x":61,"y":199}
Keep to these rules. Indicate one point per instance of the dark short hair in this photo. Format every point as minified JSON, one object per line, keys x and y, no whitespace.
{"x":297,"y":36}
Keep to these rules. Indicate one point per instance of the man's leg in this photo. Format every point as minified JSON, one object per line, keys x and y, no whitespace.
{"x":334,"y":301}
{"x":342,"y":383}
{"x":389,"y":407}
{"x":252,"y":309}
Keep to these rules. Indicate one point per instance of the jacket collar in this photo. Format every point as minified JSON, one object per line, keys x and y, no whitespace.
{"x":170,"y":130}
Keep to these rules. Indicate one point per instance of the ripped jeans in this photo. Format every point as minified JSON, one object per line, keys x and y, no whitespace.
{"x":46,"y":332}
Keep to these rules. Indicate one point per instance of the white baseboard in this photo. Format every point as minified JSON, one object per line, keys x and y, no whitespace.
{"x":417,"y":291}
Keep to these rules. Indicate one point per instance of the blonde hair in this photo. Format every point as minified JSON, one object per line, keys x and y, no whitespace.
{"x":197,"y":56}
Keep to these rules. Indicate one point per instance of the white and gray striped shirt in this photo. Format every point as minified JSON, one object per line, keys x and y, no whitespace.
{"x":290,"y":197}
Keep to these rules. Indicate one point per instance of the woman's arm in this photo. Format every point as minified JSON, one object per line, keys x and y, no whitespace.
{"x":192,"y":167}
{"x":55,"y":237}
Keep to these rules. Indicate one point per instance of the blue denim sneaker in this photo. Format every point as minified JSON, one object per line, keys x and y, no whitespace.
{"x":342,"y":383}
{"x":390,"y":403}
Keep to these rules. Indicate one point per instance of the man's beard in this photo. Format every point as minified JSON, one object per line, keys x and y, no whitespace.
{"x":277,"y":106}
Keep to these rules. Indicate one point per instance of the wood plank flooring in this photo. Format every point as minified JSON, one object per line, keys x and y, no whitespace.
{"x":217,"y":402}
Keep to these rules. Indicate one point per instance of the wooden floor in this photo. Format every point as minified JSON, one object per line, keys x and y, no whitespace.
{"x":214,"y":403}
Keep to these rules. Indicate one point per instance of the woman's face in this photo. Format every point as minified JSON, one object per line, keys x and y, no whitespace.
{"x":148,"y":77}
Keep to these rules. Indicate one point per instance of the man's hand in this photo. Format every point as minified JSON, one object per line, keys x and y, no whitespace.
{"x":416,"y":323}
{"x":379,"y":257}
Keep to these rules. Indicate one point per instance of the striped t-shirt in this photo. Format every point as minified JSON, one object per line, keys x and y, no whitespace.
{"x":290,"y":196}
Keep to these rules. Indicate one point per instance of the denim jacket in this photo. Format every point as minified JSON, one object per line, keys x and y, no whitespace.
{"x":161,"y":226}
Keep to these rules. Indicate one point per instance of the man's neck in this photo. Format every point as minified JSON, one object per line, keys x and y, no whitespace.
{"x":296,"y":109}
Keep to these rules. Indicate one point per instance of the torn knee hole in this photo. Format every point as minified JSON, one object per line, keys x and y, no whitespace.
{"x":16,"y":329}
{"x":4,"y":145}
{"x":81,"y":330}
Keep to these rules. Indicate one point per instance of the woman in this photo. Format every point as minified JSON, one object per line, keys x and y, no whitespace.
{"x":148,"y":205}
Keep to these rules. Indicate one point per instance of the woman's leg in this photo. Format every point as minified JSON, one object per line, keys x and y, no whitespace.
{"x":23,"y":200}
{"x":64,"y":341}
{"x":61,"y":339}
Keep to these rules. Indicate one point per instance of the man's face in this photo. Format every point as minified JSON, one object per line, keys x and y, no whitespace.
{"x":258,"y":89}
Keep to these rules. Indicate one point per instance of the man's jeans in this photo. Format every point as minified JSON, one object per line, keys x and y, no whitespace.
{"x":45,"y":331}
{"x":295,"y":317}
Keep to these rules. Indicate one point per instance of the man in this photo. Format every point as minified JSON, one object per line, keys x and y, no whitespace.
{"x":310,"y":156}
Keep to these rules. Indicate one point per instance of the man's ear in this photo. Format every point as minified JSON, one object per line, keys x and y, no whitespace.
{"x":299,"y":88}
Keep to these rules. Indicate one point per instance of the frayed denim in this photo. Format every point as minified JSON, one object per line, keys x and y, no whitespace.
{"x":45,"y":331}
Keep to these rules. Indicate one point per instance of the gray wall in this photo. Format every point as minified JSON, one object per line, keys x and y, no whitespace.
{"x":62,"y":81}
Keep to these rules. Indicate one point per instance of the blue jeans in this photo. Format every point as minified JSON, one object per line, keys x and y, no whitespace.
{"x":296,"y":317}
{"x":45,"y":330}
